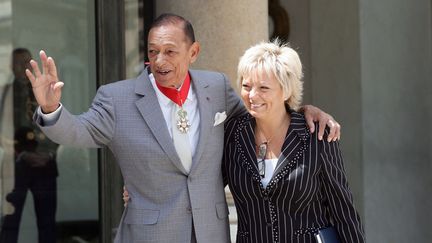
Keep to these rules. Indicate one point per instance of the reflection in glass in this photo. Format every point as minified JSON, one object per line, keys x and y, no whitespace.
{"x":34,"y":160}
{"x":133,"y":26}
{"x":48,"y":192}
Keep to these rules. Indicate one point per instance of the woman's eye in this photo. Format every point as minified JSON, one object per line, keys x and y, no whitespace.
{"x":245,"y":86}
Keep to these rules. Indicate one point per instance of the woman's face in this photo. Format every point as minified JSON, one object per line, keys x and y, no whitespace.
{"x":262,"y":95}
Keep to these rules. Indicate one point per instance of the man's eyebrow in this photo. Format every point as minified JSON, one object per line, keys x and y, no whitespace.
{"x":163,"y":44}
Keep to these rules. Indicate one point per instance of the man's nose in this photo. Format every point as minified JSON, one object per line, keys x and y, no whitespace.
{"x":159,"y":59}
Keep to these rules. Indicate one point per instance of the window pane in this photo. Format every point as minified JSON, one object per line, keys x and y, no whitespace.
{"x":133,"y":31}
{"x":56,"y":185}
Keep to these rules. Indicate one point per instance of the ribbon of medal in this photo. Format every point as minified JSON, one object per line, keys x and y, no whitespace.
{"x":179,"y":97}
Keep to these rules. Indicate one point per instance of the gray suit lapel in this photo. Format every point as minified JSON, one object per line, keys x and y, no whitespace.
{"x":202,"y":88}
{"x":151,"y":112}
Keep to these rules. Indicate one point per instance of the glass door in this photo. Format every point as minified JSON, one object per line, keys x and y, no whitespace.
{"x":47,"y":191}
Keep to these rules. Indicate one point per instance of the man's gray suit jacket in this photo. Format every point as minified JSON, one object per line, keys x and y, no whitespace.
{"x":165,"y":200}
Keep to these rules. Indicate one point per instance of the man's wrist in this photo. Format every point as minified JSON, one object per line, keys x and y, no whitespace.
{"x":304,"y":108}
{"x":49,"y":109}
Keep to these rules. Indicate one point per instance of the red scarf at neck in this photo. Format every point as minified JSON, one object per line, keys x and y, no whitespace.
{"x":178,"y":97}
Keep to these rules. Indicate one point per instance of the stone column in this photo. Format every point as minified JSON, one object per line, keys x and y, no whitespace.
{"x":336,"y":80}
{"x":224,"y":28}
{"x":396,"y":63}
{"x":371,"y":68}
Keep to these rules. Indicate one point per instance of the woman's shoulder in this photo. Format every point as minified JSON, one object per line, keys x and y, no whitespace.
{"x":239,"y":120}
{"x":236,"y":124}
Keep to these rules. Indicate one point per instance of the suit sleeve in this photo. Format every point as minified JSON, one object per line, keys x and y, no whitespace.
{"x":340,"y":200}
{"x":234,"y":104}
{"x":227,"y":153}
{"x":94,"y":128}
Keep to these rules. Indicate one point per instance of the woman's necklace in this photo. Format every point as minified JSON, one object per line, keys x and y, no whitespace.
{"x":262,"y":148}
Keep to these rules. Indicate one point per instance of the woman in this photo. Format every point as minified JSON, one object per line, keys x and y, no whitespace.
{"x":286,"y":183}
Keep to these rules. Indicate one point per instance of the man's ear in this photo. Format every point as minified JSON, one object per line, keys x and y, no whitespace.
{"x":194,"y":51}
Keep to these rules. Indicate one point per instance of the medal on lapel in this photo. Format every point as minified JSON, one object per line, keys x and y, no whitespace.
{"x":183,"y":124}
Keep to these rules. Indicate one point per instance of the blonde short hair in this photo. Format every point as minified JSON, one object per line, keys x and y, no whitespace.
{"x":278,"y":60}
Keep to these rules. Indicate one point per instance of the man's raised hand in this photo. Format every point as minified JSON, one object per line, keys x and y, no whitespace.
{"x":46,"y":86}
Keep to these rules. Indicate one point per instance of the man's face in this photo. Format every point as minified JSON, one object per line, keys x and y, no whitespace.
{"x":170,"y":54}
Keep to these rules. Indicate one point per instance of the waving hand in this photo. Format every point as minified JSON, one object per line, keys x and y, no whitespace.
{"x":46,"y":86}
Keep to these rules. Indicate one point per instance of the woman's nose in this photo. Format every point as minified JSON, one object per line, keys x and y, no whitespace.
{"x":252,"y":93}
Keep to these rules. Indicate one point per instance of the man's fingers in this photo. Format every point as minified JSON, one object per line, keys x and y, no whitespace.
{"x":310,"y":123}
{"x":30,"y":76}
{"x":58,"y":85}
{"x":322,"y":126}
{"x":125,"y":196}
{"x":52,"y":69}
{"x":57,"y":88}
{"x":125,"y":199}
{"x":333,"y":131}
{"x":338,"y":132}
{"x":44,"y":61}
{"x":125,"y":193}
{"x":35,"y":68}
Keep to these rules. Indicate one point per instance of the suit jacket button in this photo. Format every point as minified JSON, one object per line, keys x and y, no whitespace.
{"x":189,"y":209}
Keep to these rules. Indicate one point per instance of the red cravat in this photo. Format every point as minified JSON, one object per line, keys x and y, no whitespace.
{"x":178,"y":97}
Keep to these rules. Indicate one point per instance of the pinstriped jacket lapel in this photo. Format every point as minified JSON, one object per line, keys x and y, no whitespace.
{"x":247,"y":149}
{"x":294,"y":144}
{"x":150,"y":110}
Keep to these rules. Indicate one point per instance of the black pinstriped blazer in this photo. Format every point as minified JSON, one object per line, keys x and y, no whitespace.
{"x":308,"y":190}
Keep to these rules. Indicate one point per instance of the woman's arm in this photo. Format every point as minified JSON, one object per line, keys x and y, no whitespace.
{"x":336,"y":189}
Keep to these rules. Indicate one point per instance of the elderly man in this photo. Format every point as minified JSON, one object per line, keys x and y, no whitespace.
{"x":166,"y":130}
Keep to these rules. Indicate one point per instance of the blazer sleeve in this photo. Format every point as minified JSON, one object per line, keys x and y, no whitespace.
{"x":235,"y":107}
{"x":94,"y":128}
{"x":344,"y":215}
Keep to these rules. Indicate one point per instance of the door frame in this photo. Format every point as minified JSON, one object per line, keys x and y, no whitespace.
{"x":110,"y":59}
